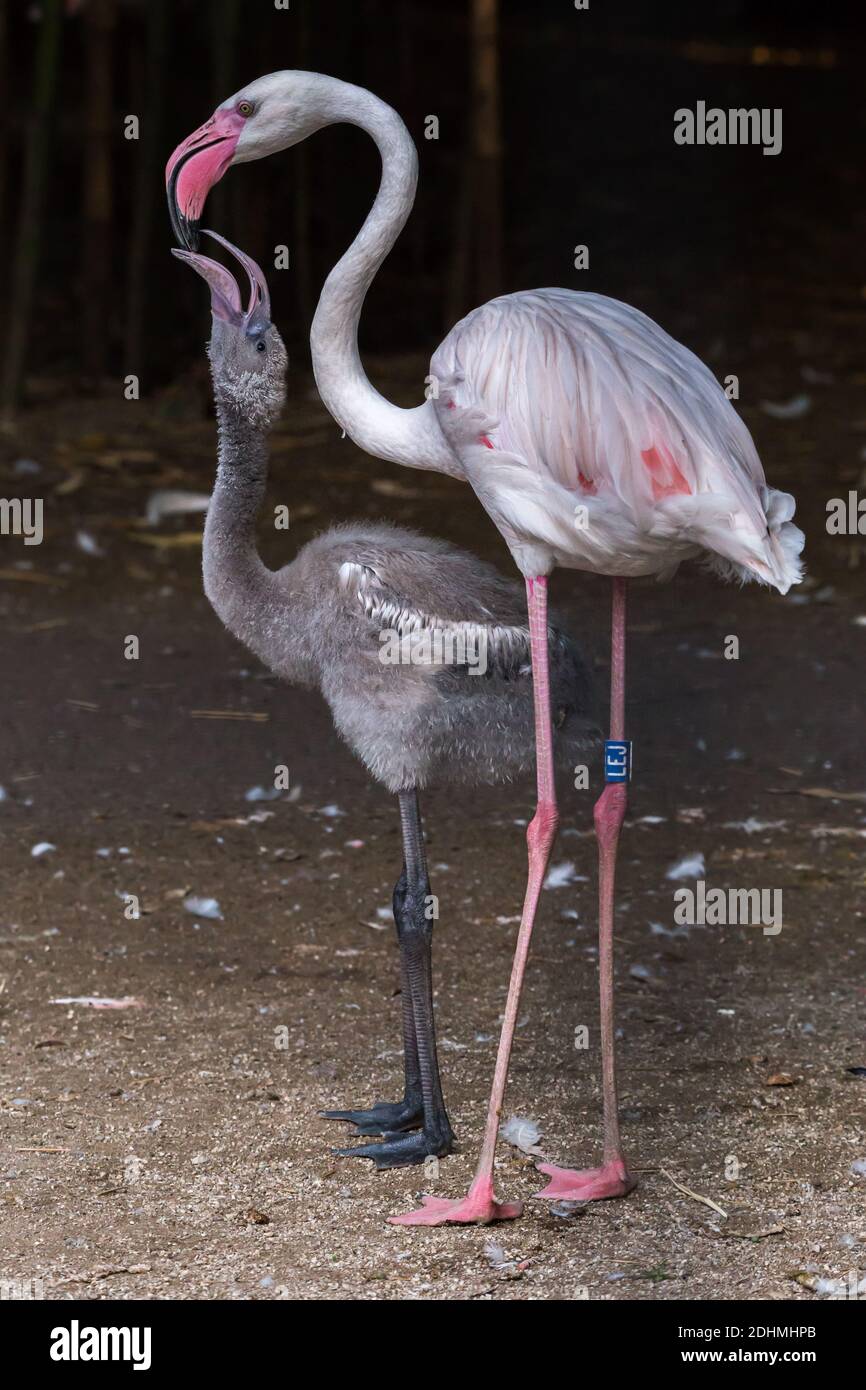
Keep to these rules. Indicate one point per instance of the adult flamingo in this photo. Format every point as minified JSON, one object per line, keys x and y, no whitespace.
{"x":593,"y":439}
{"x":453,"y":706}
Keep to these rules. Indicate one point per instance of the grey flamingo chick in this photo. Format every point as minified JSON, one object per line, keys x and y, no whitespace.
{"x":420,"y":650}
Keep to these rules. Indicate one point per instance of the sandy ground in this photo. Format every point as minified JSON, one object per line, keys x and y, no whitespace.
{"x":174,"y":1150}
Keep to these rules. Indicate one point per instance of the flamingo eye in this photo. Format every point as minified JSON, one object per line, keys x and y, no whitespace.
{"x":245,"y":108}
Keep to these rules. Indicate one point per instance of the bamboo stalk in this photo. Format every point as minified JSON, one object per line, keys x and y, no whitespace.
{"x":147,"y":187}
{"x":225,"y":15}
{"x":29,"y":229}
{"x":99,"y":16}
{"x":4,"y":122}
{"x":487,"y":150}
{"x":301,"y":257}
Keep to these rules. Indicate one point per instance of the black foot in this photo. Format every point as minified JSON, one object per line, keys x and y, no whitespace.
{"x":385,"y":1117}
{"x":402,"y":1150}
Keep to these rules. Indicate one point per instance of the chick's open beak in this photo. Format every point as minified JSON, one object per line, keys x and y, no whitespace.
{"x":226,"y":300}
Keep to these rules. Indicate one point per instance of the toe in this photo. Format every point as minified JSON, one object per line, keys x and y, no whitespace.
{"x":398,"y":1150}
{"x":379,"y":1119}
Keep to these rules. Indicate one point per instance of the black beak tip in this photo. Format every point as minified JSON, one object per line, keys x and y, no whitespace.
{"x":186,"y":229}
{"x":191,"y":233}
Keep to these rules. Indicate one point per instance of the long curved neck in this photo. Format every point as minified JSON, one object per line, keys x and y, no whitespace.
{"x":411,"y":437}
{"x":245,"y":594}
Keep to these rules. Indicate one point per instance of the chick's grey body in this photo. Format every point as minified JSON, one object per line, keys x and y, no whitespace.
{"x":420,"y":650}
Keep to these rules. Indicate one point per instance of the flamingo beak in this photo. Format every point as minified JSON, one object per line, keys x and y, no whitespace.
{"x":225,"y":295}
{"x":195,"y":166}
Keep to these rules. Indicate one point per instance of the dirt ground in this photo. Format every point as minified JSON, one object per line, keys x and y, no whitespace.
{"x":174,"y":1150}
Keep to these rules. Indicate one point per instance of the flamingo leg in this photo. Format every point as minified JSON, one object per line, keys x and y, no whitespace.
{"x":480,"y":1204}
{"x":612,"y":1179}
{"x":423,"y":1106}
{"x":388,"y":1117}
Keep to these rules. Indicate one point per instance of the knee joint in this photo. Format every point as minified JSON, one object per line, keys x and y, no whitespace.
{"x":541,"y":831}
{"x":609,"y":811}
{"x":412,"y":912}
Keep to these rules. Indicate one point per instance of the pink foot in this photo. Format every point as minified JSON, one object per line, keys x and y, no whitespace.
{"x":478,"y":1205}
{"x":587,"y":1184}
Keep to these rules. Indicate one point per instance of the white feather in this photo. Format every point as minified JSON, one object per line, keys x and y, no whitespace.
{"x":614,"y":447}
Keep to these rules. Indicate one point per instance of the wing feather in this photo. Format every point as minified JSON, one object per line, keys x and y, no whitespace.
{"x":606,"y":409}
{"x":430,"y":639}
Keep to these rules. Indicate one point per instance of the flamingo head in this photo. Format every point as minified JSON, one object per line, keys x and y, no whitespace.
{"x":266,"y":116}
{"x":247,"y":355}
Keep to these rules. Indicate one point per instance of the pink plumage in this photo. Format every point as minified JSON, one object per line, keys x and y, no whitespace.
{"x":614,"y":447}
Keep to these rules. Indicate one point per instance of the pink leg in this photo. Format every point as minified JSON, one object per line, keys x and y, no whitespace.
{"x":612,"y":1179}
{"x":479,"y":1204}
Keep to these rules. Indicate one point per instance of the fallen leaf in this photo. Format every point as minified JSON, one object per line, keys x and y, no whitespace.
{"x":827,"y":794}
{"x":178,"y":541}
{"x":32,"y":577}
{"x":45,"y":626}
{"x":229,"y":714}
{"x":42,"y":1149}
{"x":136,"y":571}
{"x":695,"y":1196}
{"x":113,"y":458}
{"x":70,"y":484}
{"x":390,"y":487}
{"x":253,"y":1217}
{"x":95,"y":1001}
{"x":844,"y":832}
{"x":754,"y":1235}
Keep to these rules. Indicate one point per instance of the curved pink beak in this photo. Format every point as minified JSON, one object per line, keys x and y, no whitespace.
{"x":225,"y":295}
{"x":195,"y":166}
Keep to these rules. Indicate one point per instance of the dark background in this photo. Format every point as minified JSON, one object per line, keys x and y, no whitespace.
{"x":587,"y":156}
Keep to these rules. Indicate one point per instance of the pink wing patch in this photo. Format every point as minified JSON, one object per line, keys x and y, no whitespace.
{"x":667,"y":480}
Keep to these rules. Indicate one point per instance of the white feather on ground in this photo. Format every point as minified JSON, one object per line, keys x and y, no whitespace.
{"x":174,"y":502}
{"x":522,"y":1133}
{"x":203,"y":907}
{"x":692,"y":866}
{"x":561,"y":875}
